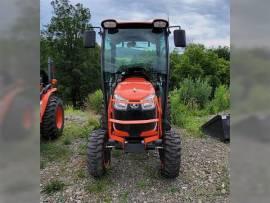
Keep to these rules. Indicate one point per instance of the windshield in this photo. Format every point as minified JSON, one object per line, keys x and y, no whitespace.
{"x":135,"y":48}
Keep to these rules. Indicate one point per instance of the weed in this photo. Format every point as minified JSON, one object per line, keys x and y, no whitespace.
{"x":99,"y":186}
{"x":172,"y":189}
{"x":124,"y":197}
{"x":142,"y":184}
{"x":54,"y":152}
{"x":67,"y":141}
{"x":94,"y":101}
{"x":81,"y":174}
{"x":53,"y":186}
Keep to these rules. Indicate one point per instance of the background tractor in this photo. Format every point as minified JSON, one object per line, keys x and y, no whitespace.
{"x":51,"y":107}
{"x":135,"y":82}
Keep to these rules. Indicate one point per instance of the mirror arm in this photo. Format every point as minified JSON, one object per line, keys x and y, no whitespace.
{"x":100,"y":31}
{"x":173,"y":26}
{"x":179,"y":27}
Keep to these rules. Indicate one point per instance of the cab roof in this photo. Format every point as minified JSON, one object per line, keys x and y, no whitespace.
{"x":135,"y":24}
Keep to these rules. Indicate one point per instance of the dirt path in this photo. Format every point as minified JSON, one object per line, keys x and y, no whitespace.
{"x":135,"y":177}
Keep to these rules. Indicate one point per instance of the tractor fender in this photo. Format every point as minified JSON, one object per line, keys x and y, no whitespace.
{"x":44,"y":102}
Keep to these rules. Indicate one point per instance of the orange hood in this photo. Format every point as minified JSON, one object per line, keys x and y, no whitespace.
{"x":134,"y":89}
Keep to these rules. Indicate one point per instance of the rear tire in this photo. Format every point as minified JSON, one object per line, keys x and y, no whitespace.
{"x":53,"y":120}
{"x":99,"y":157}
{"x":170,"y":155}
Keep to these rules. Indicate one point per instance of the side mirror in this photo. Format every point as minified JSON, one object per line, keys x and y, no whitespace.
{"x":89,"y":39}
{"x":179,"y":38}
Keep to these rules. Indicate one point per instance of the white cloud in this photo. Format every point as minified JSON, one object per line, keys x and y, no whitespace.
{"x":205,"y":21}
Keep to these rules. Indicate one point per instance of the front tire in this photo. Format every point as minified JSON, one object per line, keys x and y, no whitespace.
{"x":99,"y":157}
{"x":53,"y":120}
{"x":170,"y":155}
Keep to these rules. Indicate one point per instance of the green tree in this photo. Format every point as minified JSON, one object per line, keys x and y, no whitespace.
{"x":199,"y":62}
{"x":222,"y":52}
{"x":77,"y":68}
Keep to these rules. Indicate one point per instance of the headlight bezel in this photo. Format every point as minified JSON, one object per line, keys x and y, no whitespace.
{"x":120,"y":103}
{"x":148,"y":103}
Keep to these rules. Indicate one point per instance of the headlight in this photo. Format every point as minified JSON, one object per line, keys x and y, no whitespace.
{"x":120,"y":103}
{"x":160,"y":24}
{"x":109,"y":24}
{"x":148,"y":103}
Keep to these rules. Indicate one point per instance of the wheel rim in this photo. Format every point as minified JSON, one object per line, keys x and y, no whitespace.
{"x":59,"y":117}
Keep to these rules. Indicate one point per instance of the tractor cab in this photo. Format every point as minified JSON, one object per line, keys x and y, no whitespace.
{"x":135,"y":79}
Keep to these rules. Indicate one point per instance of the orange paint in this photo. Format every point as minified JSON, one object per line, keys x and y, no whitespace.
{"x":149,"y":133}
{"x":59,"y":117}
{"x":151,"y":139}
{"x":120,"y":133}
{"x":134,"y":121}
{"x":134,"y":89}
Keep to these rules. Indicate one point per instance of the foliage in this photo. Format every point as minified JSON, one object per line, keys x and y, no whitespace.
{"x":200,"y":62}
{"x":77,"y":68}
{"x":94,"y":101}
{"x":194,"y":93}
{"x":221,"y":100}
{"x":53,"y":186}
{"x":185,"y":117}
{"x":222,"y":52}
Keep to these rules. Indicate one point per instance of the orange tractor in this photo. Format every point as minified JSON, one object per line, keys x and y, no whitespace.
{"x":51,"y":107}
{"x":135,"y":79}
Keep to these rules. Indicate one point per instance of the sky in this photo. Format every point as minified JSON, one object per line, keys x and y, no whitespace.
{"x":205,"y":21}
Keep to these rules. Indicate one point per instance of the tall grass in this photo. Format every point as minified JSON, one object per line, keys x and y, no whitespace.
{"x":94,"y":101}
{"x":189,"y":110}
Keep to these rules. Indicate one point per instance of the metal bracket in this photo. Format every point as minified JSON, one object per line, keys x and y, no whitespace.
{"x":100,"y":31}
{"x":174,"y":26}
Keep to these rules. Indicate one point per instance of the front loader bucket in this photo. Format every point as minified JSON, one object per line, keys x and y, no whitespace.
{"x":218,"y":127}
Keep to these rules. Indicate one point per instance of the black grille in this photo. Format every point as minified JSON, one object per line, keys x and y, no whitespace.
{"x":135,"y":114}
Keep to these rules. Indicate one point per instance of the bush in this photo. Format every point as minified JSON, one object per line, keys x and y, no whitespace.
{"x":194,"y":93}
{"x":94,"y":101}
{"x":182,"y":116}
{"x":221,"y":100}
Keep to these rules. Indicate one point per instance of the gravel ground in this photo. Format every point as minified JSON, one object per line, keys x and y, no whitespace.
{"x":204,"y":176}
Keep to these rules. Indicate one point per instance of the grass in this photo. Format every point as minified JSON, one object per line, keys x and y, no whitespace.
{"x":142,"y":184}
{"x":53,"y":151}
{"x":124,"y":197}
{"x":81,"y":174}
{"x":151,"y":172}
{"x":59,"y":150}
{"x":224,"y":183}
{"x":67,"y":141}
{"x":69,"y":110}
{"x":82,"y":149}
{"x":173,"y":189}
{"x":99,"y":186}
{"x":117,"y":153}
{"x":53,"y":186}
{"x":189,"y":114}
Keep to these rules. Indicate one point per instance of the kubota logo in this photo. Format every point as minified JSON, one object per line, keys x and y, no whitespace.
{"x":134,"y":106}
